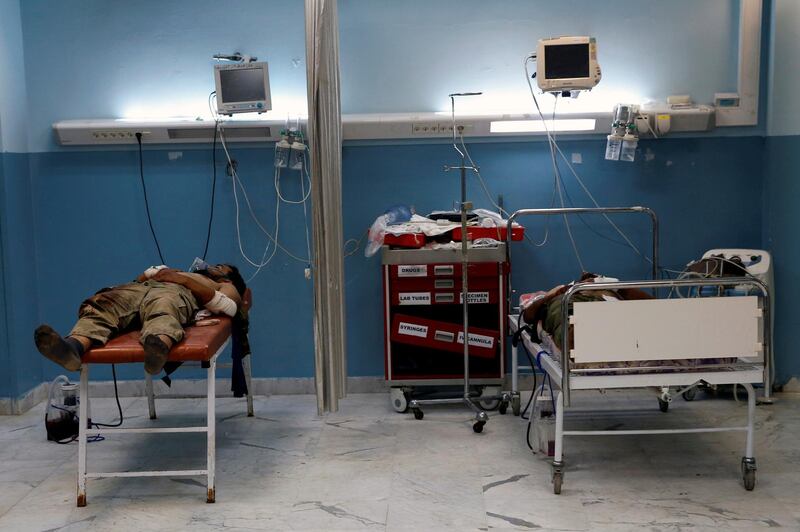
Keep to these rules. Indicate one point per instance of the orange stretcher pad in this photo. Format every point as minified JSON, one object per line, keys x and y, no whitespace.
{"x":198,"y":344}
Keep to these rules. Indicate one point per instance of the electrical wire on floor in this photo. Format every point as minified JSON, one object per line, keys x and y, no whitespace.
{"x":146,"y":202}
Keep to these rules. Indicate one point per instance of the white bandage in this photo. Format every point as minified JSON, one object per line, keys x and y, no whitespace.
{"x":152,"y":270}
{"x":221,"y":304}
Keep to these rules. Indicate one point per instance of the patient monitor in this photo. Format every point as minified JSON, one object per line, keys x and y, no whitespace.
{"x":242,"y":88}
{"x":567,"y":64}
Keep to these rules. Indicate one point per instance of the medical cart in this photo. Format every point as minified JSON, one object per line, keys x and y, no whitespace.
{"x":423,"y":329}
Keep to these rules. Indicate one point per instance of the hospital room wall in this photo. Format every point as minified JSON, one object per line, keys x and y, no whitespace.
{"x":90,"y":224}
{"x":18,"y":301}
{"x":782,"y":157}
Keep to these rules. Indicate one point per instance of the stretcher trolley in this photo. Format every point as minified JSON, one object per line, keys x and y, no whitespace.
{"x":663,"y":343}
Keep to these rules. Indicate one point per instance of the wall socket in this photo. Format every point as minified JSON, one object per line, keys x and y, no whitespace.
{"x":423,"y":129}
{"x":118,"y":135}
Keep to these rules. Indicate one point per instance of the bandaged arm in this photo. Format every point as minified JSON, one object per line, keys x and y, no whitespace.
{"x":221,"y":304}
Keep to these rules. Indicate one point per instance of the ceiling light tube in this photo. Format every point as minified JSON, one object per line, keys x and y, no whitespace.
{"x":538,"y":126}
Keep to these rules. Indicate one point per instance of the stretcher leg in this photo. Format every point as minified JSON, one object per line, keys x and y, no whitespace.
{"x":749,"y":460}
{"x":558,"y":459}
{"x":211,"y":430}
{"x":151,"y":396}
{"x":248,"y":377}
{"x":83,"y":419}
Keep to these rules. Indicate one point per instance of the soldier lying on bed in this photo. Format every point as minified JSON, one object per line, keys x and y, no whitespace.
{"x":161,"y":301}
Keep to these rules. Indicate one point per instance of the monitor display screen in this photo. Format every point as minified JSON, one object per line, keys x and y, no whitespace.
{"x":566,"y":61}
{"x":242,"y":85}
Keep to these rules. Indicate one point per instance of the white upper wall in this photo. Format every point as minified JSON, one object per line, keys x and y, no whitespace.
{"x":784,"y":94}
{"x":13,"y":98}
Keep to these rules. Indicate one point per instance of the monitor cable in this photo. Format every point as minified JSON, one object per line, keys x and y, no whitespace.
{"x":146,"y":203}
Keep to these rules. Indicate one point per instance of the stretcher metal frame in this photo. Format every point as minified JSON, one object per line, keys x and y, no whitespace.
{"x":84,"y":432}
{"x":564,"y":380}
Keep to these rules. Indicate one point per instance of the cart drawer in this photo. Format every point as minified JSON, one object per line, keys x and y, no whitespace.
{"x":448,"y":270}
{"x":443,"y":336}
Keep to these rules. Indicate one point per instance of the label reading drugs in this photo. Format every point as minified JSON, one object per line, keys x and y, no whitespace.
{"x":412,"y":270}
{"x":477,"y":340}
{"x":412,"y":329}
{"x":414,"y":298}
{"x":475,"y":297}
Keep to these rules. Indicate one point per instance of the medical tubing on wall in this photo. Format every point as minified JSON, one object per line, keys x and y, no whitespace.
{"x":238,"y":182}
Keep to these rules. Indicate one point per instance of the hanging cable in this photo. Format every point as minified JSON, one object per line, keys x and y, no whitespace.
{"x":213,"y":184}
{"x":238,"y":182}
{"x":147,"y":203}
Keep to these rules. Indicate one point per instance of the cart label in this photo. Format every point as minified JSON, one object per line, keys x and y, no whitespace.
{"x":477,"y":340}
{"x":415,"y":298}
{"x":413,"y":329}
{"x":412,"y":270}
{"x":475,"y":297}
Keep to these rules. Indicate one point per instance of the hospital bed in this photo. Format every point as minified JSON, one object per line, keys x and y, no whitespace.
{"x":202,"y":346}
{"x":658,"y":343}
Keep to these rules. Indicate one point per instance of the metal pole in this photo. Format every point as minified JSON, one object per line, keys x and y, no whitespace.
{"x":581,"y":210}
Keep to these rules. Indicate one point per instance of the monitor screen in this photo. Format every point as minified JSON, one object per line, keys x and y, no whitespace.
{"x":242,"y":85}
{"x":566,"y":61}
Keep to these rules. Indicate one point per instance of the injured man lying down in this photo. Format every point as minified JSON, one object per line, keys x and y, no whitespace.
{"x":161,"y":301}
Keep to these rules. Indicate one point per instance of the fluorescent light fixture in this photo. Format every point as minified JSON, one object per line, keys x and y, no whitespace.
{"x":538,"y":126}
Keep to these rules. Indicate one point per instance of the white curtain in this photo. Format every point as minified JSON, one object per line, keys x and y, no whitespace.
{"x":325,"y":142}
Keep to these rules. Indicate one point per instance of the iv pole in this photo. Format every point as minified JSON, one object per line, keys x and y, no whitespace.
{"x":480,"y":415}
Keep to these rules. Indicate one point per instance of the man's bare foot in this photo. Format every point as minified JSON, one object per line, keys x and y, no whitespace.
{"x":55,"y":348}
{"x":156,"y":352}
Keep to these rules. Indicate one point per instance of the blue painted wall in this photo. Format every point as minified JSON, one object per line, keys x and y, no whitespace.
{"x":425,"y":50}
{"x":19,"y":314}
{"x":782,"y":170}
{"x":151,"y":58}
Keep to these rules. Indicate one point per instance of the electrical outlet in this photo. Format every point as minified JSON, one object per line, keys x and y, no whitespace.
{"x":422,"y":129}
{"x":117,"y":135}
{"x":463,"y":129}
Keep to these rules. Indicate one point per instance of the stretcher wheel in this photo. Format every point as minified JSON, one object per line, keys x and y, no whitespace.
{"x":503,"y":407}
{"x":690,"y":394}
{"x":418,"y":414}
{"x":663,"y":405}
{"x":515,"y":405}
{"x":478,"y":426}
{"x":749,"y":473}
{"x":749,"y":479}
{"x":558,"y":478}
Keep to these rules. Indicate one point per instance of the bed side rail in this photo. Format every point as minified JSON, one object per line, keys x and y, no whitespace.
{"x":657,"y":284}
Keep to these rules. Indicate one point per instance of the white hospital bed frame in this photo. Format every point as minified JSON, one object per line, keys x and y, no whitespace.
{"x":564,"y":379}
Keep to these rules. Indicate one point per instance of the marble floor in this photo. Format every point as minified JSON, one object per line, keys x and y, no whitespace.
{"x":369,"y":468}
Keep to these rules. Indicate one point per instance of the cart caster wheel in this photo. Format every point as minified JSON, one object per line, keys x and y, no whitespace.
{"x":418,"y":414}
{"x":490,"y":404}
{"x":515,"y":405}
{"x":690,"y":394}
{"x":558,"y":479}
{"x":503,"y":408}
{"x":478,"y":426}
{"x":663,"y":405}
{"x":749,"y":473}
{"x":399,"y":400}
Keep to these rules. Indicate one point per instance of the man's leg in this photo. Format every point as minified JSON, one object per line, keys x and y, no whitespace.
{"x":99,"y":317}
{"x":164,"y":311}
